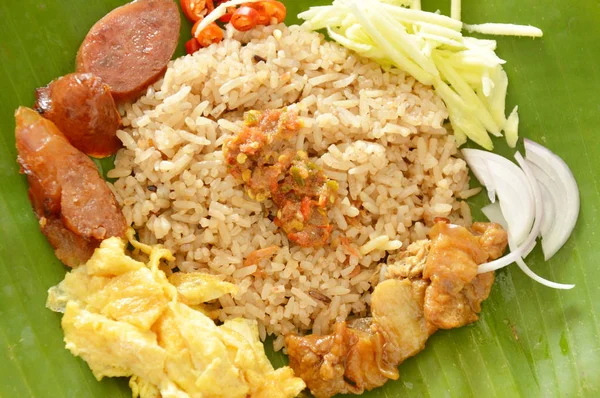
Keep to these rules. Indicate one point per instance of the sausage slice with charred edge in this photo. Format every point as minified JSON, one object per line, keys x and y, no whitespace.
{"x":130,"y":47}
{"x":83,"y":109}
{"x":74,"y":205}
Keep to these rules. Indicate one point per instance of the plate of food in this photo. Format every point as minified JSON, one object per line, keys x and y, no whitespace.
{"x":267,"y":198}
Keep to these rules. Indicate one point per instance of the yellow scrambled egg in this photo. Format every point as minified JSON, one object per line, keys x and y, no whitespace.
{"x":126,"y":318}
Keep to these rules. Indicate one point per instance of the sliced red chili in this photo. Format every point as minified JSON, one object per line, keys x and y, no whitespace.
{"x":195,"y":10}
{"x":267,"y":10}
{"x":192,"y":45}
{"x":305,"y":207}
{"x":226,"y":18}
{"x":209,"y":35}
{"x":244,"y":18}
{"x":276,"y":10}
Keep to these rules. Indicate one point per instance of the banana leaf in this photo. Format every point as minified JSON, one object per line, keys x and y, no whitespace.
{"x":530,"y":341}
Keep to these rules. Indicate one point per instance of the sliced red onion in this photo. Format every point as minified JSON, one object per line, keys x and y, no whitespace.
{"x":502,"y":262}
{"x":517,"y":252}
{"x":566,"y":196}
{"x":510,"y":185}
{"x":539,"y":217}
{"x":550,"y":202}
{"x":531,"y":198}
{"x":539,"y":279}
{"x":493,"y":212}
{"x":479,"y":167}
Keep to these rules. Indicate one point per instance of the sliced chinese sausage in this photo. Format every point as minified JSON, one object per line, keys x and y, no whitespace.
{"x":83,"y":109}
{"x":39,"y":148}
{"x":88,"y":206}
{"x":74,"y":205}
{"x":70,"y":248}
{"x":130,"y":47}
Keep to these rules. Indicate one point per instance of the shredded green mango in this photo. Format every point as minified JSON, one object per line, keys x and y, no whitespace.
{"x":465,"y":72}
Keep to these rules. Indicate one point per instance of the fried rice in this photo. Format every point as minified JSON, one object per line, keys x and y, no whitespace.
{"x":377,"y":132}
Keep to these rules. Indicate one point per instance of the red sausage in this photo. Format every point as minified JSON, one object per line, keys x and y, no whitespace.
{"x":75,"y":206}
{"x":81,"y":106}
{"x":130,"y":47}
{"x":70,"y":248}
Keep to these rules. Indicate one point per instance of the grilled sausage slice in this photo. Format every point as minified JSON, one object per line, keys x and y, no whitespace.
{"x":74,"y":205}
{"x":83,"y":109}
{"x":130,"y":47}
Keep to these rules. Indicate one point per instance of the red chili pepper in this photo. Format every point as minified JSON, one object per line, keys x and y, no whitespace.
{"x":209,"y":35}
{"x":268,"y":9}
{"x":244,"y":18}
{"x":276,"y":9}
{"x":305,"y":207}
{"x":226,"y":18}
{"x":192,"y":45}
{"x":195,"y":10}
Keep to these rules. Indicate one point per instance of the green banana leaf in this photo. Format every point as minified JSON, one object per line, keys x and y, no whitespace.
{"x":530,"y":341}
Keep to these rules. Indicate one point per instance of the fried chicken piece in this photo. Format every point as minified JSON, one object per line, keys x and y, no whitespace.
{"x":409,"y":263}
{"x":454,"y":297}
{"x":362,"y":357}
{"x":320,"y":360}
{"x":492,"y":238}
{"x":397,"y":308}
{"x":438,"y":287}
